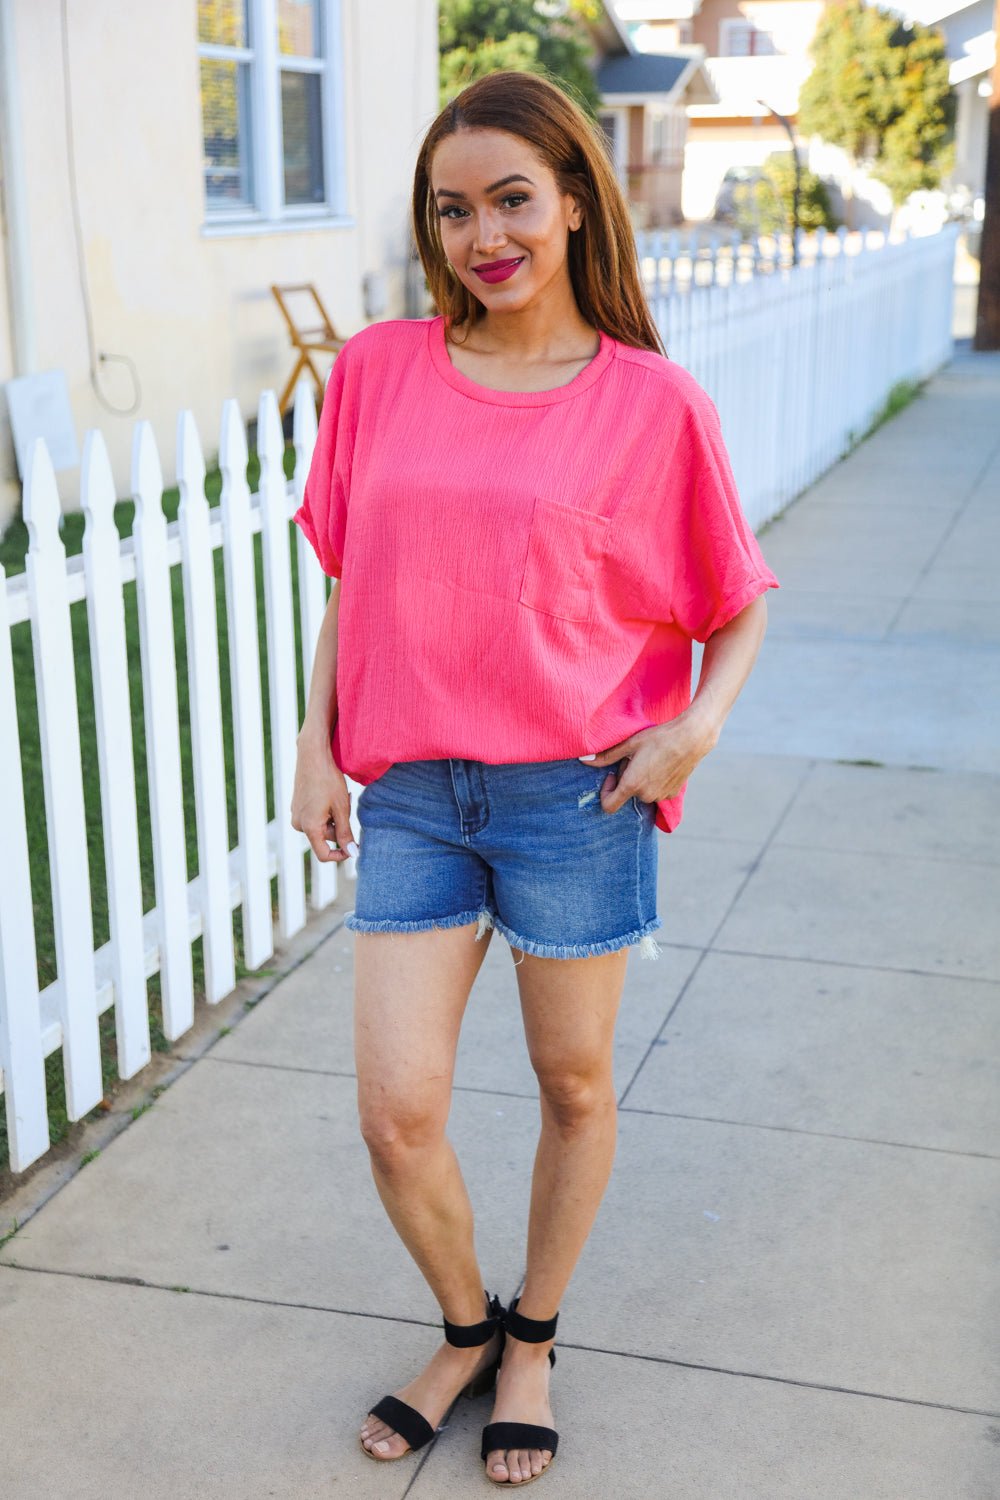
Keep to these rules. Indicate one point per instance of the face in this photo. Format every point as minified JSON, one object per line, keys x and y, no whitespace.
{"x":497,"y":202}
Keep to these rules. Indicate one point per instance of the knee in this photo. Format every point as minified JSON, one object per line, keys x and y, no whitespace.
{"x":393,"y":1131}
{"x":575,"y":1099}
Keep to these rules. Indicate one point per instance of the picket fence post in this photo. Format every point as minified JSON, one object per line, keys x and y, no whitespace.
{"x":273,"y":499}
{"x":163,"y":754}
{"x":116,"y":764}
{"x":244,"y":678}
{"x":205,"y":708}
{"x":21,"y":1058}
{"x":62,"y":775}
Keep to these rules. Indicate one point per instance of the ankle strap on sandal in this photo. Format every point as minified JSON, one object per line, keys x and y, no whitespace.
{"x":470,"y":1335}
{"x":529,"y":1330}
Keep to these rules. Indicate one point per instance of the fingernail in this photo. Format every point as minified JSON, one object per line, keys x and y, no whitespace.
{"x":352,"y":848}
{"x":587,"y":757}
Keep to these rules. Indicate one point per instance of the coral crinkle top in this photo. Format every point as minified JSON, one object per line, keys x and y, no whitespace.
{"x":522,"y":572}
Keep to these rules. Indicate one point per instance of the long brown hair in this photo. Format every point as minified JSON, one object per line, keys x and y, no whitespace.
{"x":602,"y":254}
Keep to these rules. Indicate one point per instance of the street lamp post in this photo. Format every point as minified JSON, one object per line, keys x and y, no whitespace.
{"x":795,"y":191}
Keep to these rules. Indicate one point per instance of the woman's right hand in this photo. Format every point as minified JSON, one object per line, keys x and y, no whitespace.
{"x":321,"y":803}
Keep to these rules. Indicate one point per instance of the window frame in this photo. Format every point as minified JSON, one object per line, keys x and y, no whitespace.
{"x":619,"y":152}
{"x":730,"y":26}
{"x":666,"y":122}
{"x":269,"y":212}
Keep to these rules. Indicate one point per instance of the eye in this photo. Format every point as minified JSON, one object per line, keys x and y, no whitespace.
{"x":516,"y":198}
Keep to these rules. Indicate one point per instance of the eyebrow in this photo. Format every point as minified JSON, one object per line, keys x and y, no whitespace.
{"x":503,"y":181}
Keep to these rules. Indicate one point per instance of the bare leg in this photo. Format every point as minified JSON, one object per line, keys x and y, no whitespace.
{"x":411,"y":990}
{"x":570,"y":1007}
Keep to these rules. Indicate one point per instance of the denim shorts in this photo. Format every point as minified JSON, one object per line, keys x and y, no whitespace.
{"x":526,"y":848}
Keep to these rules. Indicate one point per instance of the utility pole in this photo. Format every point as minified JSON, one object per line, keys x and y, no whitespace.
{"x":796,"y":191}
{"x":987,"y":335}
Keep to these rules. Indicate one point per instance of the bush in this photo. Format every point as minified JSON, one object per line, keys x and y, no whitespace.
{"x":764,"y":204}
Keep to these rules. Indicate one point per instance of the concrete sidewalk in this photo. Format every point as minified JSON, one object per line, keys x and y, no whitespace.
{"x":791,"y":1290}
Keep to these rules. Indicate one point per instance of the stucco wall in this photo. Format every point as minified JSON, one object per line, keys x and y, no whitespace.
{"x":193,"y":312}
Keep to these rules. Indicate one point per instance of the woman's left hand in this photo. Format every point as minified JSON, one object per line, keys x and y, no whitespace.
{"x":659,"y":760}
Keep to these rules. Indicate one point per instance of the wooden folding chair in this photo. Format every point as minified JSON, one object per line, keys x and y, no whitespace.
{"x":308,"y":341}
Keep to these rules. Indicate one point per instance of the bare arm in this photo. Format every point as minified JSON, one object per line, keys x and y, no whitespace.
{"x":726,"y":663}
{"x":662,"y":757}
{"x":321,"y":803}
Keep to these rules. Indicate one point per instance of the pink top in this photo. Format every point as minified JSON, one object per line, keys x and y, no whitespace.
{"x":522,"y":571}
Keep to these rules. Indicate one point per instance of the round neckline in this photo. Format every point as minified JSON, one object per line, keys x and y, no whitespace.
{"x":459,"y":382}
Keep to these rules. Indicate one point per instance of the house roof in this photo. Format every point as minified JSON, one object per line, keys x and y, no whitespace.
{"x":620,"y":29}
{"x":640,"y":73}
{"x":608,"y":30}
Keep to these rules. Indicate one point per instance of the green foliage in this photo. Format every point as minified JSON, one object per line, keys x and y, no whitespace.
{"x":918,"y":147}
{"x":879,"y":90}
{"x":463,"y":65}
{"x":764,"y":204}
{"x":815,"y":211}
{"x":755,"y":208}
{"x":477,"y":37}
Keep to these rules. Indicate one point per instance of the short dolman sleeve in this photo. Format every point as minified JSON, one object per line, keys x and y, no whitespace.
{"x":322,"y":515}
{"x":710,"y":558}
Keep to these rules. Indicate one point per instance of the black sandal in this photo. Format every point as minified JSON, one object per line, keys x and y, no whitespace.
{"x":507,"y":1435}
{"x":410,"y":1423}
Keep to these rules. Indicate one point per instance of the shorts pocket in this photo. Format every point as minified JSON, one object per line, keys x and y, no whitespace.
{"x":564,"y":547}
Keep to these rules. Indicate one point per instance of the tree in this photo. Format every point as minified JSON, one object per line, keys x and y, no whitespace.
{"x":477,"y":37}
{"x":987,"y":335}
{"x":879,"y":90}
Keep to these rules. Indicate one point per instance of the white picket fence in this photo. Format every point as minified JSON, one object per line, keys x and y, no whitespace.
{"x":65,"y":1014}
{"x":674,"y":262}
{"x":796,"y":363}
{"x":801,"y":362}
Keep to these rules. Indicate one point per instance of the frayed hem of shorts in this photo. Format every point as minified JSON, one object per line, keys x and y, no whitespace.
{"x":643,"y":936}
{"x":461,"y":919}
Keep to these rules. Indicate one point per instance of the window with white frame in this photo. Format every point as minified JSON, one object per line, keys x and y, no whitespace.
{"x":613,"y":123}
{"x":666,"y":137}
{"x":740,"y":38}
{"x":269,"y":108}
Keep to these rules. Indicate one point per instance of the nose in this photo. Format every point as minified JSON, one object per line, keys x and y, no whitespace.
{"x":489,"y":234}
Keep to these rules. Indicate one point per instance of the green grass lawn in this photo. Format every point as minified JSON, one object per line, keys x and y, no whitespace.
{"x":13,"y":547}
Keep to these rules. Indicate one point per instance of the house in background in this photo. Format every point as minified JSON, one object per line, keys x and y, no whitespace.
{"x":646,"y":97}
{"x":756,"y":53}
{"x":749,"y":50}
{"x":181,"y":159}
{"x":967,"y":27}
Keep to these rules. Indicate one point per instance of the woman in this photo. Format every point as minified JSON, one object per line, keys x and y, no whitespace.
{"x":533,"y":515}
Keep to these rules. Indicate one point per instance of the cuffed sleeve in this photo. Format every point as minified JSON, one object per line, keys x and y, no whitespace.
{"x":322,"y":516}
{"x":715,"y":563}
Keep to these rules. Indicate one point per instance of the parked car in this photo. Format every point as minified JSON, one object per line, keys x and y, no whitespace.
{"x":725,"y":209}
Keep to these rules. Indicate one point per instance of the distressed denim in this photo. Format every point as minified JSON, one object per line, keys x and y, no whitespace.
{"x":526,"y":848}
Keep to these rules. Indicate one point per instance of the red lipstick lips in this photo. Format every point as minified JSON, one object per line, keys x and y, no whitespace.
{"x":497,"y":270}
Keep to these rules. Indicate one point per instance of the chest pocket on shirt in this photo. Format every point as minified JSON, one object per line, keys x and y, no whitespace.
{"x":565,"y":546}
